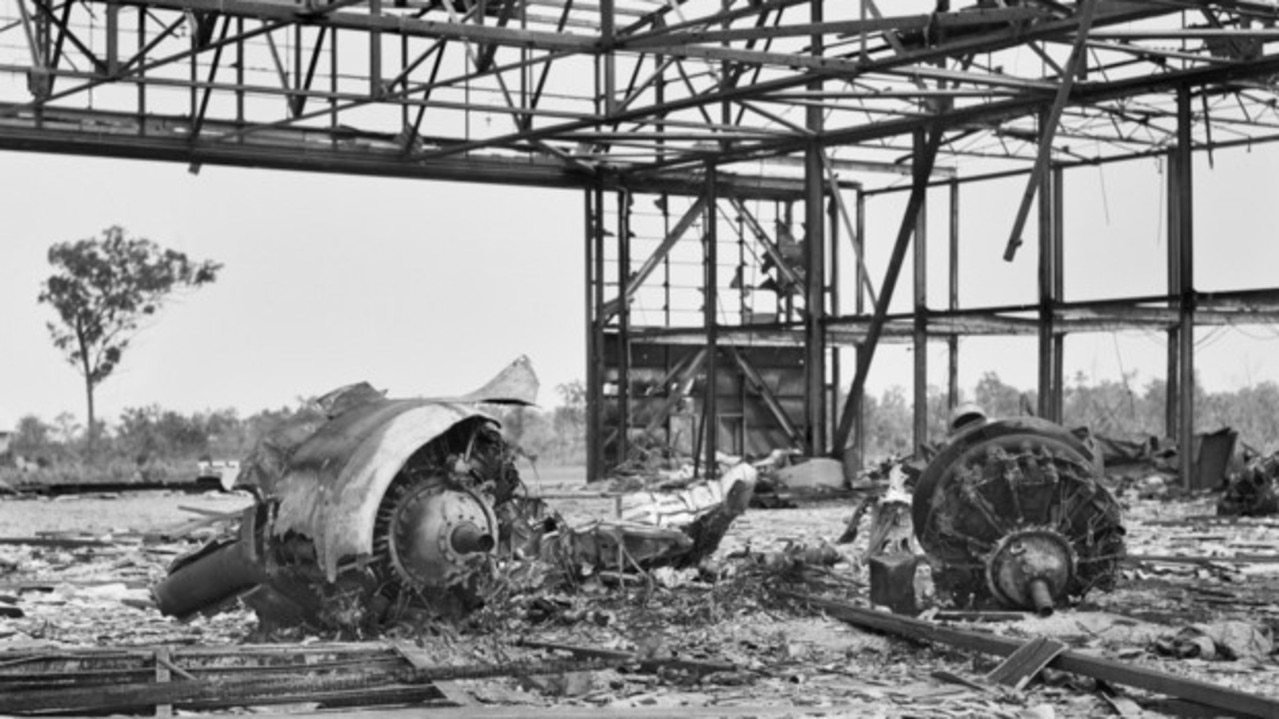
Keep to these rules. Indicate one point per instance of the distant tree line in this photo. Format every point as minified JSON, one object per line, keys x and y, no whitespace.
{"x":153,"y":442}
{"x":1122,"y":408}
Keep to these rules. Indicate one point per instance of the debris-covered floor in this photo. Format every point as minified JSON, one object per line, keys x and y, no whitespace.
{"x":722,"y":638}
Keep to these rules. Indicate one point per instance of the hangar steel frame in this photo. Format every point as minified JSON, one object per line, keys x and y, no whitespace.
{"x":721,"y":107}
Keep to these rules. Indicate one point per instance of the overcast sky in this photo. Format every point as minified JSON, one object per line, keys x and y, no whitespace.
{"x":429,"y":288}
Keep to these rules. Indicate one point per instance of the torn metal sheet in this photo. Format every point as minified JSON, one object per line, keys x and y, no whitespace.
{"x":516,"y":385}
{"x":1013,"y":510}
{"x":657,"y":529}
{"x":366,"y":505}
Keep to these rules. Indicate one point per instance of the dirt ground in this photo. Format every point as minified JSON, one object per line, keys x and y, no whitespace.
{"x":784,"y":656}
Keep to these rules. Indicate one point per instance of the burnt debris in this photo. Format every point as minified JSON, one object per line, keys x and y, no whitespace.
{"x":1012,"y":511}
{"x":368,"y":509}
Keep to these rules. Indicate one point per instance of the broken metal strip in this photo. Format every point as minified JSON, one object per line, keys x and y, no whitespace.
{"x":1127,"y":673}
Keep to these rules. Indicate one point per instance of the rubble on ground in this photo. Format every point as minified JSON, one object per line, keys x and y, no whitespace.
{"x":684,"y":601}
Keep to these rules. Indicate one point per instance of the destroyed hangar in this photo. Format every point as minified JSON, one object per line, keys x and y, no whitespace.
{"x":729,"y":155}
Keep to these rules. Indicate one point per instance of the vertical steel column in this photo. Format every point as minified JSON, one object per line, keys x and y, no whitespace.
{"x":375,"y":53}
{"x":919,"y":256}
{"x":1171,"y":378}
{"x":333,"y":79}
{"x":1047,"y":290}
{"x":952,"y":303}
{"x":142,"y":62}
{"x":710,"y":281}
{"x":594,"y":236}
{"x":855,"y":403}
{"x":832,"y":356}
{"x":113,"y":39}
{"x":815,"y":280}
{"x":624,"y":200}
{"x":922,"y":168}
{"x":1186,"y":288}
{"x":1059,"y":286}
{"x":607,"y":30}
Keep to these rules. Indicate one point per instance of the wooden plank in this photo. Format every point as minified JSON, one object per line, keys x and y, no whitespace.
{"x":1211,"y":695}
{"x":1021,"y":666}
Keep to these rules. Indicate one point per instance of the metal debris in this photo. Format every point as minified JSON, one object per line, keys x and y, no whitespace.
{"x":368,"y":509}
{"x":1254,"y":491}
{"x":658,"y":529}
{"x":1228,"y":700}
{"x":1012,"y":510}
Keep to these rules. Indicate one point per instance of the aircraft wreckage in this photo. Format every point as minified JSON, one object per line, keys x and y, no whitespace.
{"x":365,"y":506}
{"x":1013,"y":510}
{"x":370,"y":510}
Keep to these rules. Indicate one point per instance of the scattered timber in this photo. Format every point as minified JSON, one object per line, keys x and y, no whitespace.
{"x":1210,"y":695}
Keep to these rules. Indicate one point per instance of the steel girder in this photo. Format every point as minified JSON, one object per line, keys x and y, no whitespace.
{"x":565,"y":92}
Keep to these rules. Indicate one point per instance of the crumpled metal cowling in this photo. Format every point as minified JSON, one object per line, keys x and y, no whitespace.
{"x":1012,"y":510}
{"x":366,"y":507}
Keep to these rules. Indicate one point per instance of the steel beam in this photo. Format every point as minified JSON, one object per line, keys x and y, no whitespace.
{"x":1186,"y":288}
{"x":952,"y":302}
{"x":919,"y":256}
{"x":594,"y":236}
{"x":923,"y":163}
{"x":1048,"y":254}
{"x":710,"y":322}
{"x":1059,"y":289}
{"x":815,"y":272}
{"x":855,"y":403}
{"x":1048,"y":128}
{"x":624,"y":201}
{"x":775,"y":409}
{"x":633,"y":283}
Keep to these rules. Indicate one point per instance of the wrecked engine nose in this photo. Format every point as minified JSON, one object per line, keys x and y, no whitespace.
{"x":383,"y":509}
{"x":431,"y":533}
{"x":1013,"y":510}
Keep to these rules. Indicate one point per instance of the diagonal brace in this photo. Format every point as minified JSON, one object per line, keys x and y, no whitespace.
{"x":1049,"y":130}
{"x":923,"y":167}
{"x":774,"y":406}
{"x":613,"y":306}
{"x":790,"y":279}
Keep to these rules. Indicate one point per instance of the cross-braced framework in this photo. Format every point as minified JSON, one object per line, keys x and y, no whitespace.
{"x":759,"y":125}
